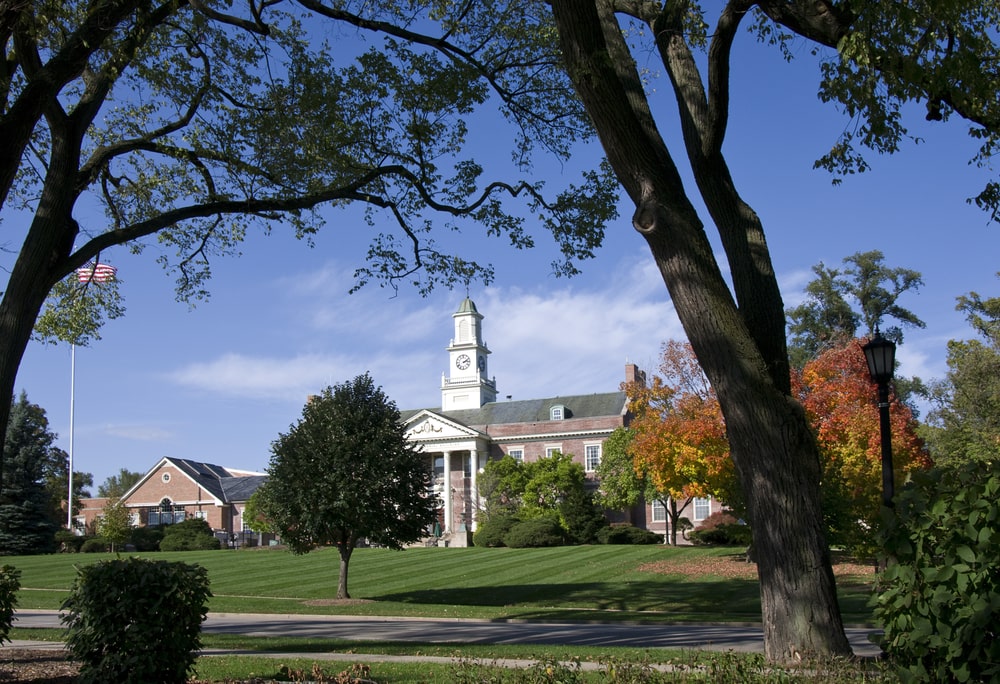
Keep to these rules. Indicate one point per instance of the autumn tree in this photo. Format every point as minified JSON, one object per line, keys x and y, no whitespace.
{"x":964,"y":423}
{"x":346,"y":472}
{"x":679,"y":442}
{"x":248,"y":121}
{"x":838,"y":394}
{"x":864,"y":293}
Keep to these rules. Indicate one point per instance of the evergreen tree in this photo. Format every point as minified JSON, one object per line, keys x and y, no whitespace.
{"x":26,"y":526}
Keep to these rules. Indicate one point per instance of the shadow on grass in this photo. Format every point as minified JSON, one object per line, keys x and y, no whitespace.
{"x":735,"y":597}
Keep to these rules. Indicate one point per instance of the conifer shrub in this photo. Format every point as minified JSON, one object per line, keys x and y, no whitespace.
{"x":10,"y":582}
{"x":939,"y":595}
{"x":535,"y":533}
{"x":136,"y":620}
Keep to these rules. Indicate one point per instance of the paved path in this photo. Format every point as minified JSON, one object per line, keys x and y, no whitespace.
{"x":731,"y":636}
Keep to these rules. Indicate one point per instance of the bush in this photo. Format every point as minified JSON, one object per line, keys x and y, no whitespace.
{"x":191,"y":535}
{"x":534,"y":533}
{"x":146,"y":538}
{"x":721,"y":529}
{"x":490,"y":532}
{"x":10,"y":582}
{"x":94,"y":545}
{"x":136,"y":620}
{"x":628,"y":534}
{"x":939,"y":596}
{"x":67,"y":542}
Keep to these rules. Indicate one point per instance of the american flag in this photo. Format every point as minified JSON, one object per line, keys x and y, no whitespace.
{"x":98,"y":273}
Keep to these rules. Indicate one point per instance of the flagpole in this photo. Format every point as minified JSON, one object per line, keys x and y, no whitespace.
{"x":72,"y":396}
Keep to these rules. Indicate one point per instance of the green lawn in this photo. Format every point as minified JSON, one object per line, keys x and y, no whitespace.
{"x":566,"y":583}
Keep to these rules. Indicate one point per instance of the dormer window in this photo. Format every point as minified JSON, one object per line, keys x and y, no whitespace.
{"x":557,"y":412}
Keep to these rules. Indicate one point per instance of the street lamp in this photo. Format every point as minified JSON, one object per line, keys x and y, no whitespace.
{"x":880,"y":354}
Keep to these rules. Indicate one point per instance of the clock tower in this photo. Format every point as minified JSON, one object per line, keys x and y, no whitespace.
{"x":466,"y":385}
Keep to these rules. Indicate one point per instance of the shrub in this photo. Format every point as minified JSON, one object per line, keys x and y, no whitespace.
{"x":191,"y":535}
{"x":146,"y":538}
{"x":490,"y":532}
{"x":721,"y":529}
{"x":581,"y":517}
{"x":68,"y":542}
{"x":94,"y":545}
{"x":535,"y":532}
{"x":628,"y":534}
{"x":10,"y":582}
{"x":939,"y":596}
{"x":136,"y":620}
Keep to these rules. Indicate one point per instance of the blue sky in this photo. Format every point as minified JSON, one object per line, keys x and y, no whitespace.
{"x":218,"y":383}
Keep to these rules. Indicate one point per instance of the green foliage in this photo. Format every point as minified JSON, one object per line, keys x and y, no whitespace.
{"x":193,"y":534}
{"x":69,"y":542}
{"x":580,"y":516}
{"x":828,"y":317}
{"x":490,"y":532}
{"x":541,"y":531}
{"x":10,"y":582}
{"x":621,"y":487}
{"x":136,"y":620}
{"x":722,"y":529}
{"x":115,"y":524}
{"x":26,"y":524}
{"x":628,"y":534}
{"x":115,"y":486}
{"x":939,"y":596}
{"x":146,"y":538}
{"x":346,"y":471}
{"x":965,"y":421}
{"x":501,"y":487}
{"x":94,"y":545}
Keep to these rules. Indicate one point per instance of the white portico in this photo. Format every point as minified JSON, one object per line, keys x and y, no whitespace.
{"x":458,"y":453}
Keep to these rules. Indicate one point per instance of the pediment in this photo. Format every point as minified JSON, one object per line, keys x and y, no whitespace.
{"x":428,"y":426}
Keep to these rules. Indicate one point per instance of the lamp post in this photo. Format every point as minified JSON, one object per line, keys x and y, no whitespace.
{"x":880,"y":354}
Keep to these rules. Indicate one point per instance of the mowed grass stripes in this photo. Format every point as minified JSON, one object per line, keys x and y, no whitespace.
{"x":566,"y":583}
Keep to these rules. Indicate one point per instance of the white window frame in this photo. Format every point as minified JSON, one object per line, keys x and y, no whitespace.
{"x":705,"y":503}
{"x":590,"y":461}
{"x":552,"y":449}
{"x":516,"y":453}
{"x":557,"y":412}
{"x":659,"y":511}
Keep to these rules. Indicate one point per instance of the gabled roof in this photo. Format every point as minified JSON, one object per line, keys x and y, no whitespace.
{"x":534,"y":410}
{"x":223,"y":484}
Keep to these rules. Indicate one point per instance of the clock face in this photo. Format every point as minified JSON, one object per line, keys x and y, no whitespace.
{"x":463,"y":361}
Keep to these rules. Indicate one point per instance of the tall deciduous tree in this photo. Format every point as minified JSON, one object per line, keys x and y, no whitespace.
{"x":26,"y":526}
{"x":838,"y":394}
{"x":965,"y":421}
{"x":114,"y":486}
{"x":865,"y":292}
{"x":888,"y":53}
{"x":247,"y":119}
{"x":679,"y":436}
{"x":346,"y":472}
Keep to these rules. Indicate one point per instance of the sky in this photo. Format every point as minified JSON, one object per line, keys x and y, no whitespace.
{"x":219,"y":382}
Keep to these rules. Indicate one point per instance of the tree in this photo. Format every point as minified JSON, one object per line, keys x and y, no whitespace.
{"x":25,"y":523}
{"x":965,"y":421}
{"x":365,"y":480}
{"x":887,"y":55}
{"x":115,"y":524}
{"x":826,"y":319}
{"x":246,"y":121}
{"x":679,"y":440}
{"x":116,"y":485}
{"x":838,"y":395}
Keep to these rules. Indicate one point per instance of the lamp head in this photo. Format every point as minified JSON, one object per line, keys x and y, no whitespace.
{"x":880,"y":354}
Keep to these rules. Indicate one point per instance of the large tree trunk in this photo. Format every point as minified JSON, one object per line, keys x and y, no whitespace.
{"x":741,"y":348}
{"x":346,"y":549}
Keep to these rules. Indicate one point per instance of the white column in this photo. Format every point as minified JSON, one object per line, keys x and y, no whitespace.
{"x":474,"y":469}
{"x":447,"y":492}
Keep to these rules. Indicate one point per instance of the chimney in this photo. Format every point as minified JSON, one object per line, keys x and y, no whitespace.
{"x":633,"y":374}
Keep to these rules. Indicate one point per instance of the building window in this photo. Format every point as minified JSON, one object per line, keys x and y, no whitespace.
{"x":593,"y":457}
{"x":165,"y":477}
{"x":659,"y":511}
{"x":165,"y":514}
{"x":516,"y":454}
{"x":557,"y":412}
{"x":551,"y":451}
{"x":702,"y":508}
